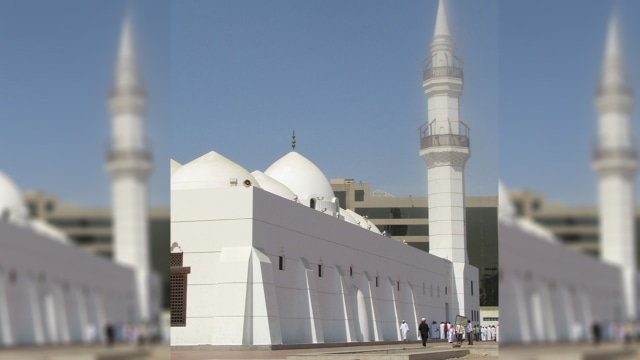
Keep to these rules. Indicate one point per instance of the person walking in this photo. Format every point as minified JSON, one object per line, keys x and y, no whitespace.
{"x":470,"y":332}
{"x":404,"y":328}
{"x":424,"y":332}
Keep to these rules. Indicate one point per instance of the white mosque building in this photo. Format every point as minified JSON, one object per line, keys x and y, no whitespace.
{"x":270,"y":257}
{"x":551,"y":293}
{"x":52,"y":292}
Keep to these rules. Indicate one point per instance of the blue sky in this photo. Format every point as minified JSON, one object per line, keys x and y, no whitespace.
{"x":346,"y":75}
{"x":550,"y":58}
{"x":237,"y":77}
{"x":56,"y":63}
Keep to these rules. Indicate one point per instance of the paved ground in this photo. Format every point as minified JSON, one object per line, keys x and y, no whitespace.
{"x":480,"y":349}
{"x":571,"y":351}
{"x":87,"y":352}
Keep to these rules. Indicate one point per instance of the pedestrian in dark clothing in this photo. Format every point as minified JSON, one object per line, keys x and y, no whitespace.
{"x":424,"y":331}
{"x":595,"y":329}
{"x":110,"y":334}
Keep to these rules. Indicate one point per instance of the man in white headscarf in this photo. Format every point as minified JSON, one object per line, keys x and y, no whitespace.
{"x":442,"y":333}
{"x":404,"y":329}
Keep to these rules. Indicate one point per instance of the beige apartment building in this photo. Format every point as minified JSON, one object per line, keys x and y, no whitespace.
{"x":576,"y":227}
{"x":406,"y":219}
{"x":91,"y":229}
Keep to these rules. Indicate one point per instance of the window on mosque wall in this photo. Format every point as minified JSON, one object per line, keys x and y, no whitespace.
{"x":376,"y":281}
{"x":178,"y":290}
{"x":490,"y":319}
{"x":445,"y":290}
{"x":394,"y":213}
{"x":472,"y":288}
{"x":398,"y":285}
{"x":351,"y":270}
{"x":319,"y":270}
{"x":280,"y":262}
{"x":358,"y":195}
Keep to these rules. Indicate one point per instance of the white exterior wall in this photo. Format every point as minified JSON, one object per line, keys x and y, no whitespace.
{"x":59,"y":290}
{"x":547,"y":291}
{"x":232,"y":239}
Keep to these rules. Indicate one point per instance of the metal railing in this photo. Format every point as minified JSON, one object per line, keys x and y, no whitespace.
{"x":444,"y":140}
{"x":113,"y":155}
{"x":602,"y":154}
{"x":441,"y":71}
{"x":428,"y":139}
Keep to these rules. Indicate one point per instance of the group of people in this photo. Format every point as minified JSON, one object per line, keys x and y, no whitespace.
{"x":456,"y":333}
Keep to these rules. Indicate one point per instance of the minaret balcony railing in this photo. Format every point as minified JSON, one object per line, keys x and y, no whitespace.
{"x":115,"y":153}
{"x":604,"y":154}
{"x":138,"y":154}
{"x":454,"y":70}
{"x":442,"y":71}
{"x":621,"y":89}
{"x":428,"y":139}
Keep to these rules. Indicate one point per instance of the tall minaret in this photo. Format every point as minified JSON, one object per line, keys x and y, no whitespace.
{"x":129,"y":164}
{"x":615,"y":162}
{"x":444,"y":147}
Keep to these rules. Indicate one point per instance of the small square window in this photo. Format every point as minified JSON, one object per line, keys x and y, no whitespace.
{"x":358,"y":195}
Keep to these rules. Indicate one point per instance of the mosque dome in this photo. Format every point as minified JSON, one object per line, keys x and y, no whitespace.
{"x":175,"y":166}
{"x":301,"y":176}
{"x":272,"y":185}
{"x":347,"y":217}
{"x":49,"y":231}
{"x":11,"y":202}
{"x":209,"y":171}
{"x":363,"y":222}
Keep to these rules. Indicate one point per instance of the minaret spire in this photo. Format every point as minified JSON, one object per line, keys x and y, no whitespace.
{"x":442,"y":26}
{"x":126,"y":81}
{"x":129,"y":164}
{"x":614,"y":77}
{"x":615,"y":162}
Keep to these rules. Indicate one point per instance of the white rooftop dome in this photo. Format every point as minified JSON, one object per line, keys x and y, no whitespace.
{"x":211,"y":170}
{"x":363,"y":222}
{"x":49,"y":231}
{"x":272,"y":185}
{"x":301,"y":176}
{"x":11,"y":203}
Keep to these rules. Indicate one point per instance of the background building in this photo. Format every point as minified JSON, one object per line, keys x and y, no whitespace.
{"x":576,"y":227}
{"x":406,"y":219}
{"x":92,"y":229}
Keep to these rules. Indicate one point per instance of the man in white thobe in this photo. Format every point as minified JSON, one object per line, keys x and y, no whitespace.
{"x":442,"y":334}
{"x":404,"y":329}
